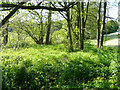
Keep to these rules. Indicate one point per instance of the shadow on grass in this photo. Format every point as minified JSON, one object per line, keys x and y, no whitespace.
{"x":59,"y":47}
{"x":90,"y":48}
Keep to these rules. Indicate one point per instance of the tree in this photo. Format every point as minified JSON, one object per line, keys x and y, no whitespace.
{"x":83,"y":23}
{"x":11,"y":13}
{"x":38,"y":16}
{"x":82,"y":28}
{"x":98,"y":25}
{"x":48,"y":27}
{"x":69,"y":29}
{"x":91,"y":25}
{"x":5,"y":34}
{"x":20,"y":5}
{"x":103,"y":25}
{"x":111,"y":26}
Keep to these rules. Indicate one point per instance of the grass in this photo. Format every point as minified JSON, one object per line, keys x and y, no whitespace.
{"x":52,"y":66}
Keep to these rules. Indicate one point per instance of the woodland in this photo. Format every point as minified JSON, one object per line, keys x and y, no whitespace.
{"x":58,"y":44}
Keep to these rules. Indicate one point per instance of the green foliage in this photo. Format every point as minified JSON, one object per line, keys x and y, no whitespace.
{"x":59,"y":36}
{"x":56,"y":25}
{"x":91,"y":24}
{"x":111,"y":26}
{"x":51,"y":66}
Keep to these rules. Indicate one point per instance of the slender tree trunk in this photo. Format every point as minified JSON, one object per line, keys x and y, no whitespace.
{"x":41,"y":39}
{"x":86,"y":13}
{"x":48,"y":28}
{"x":98,"y":25}
{"x":41,"y":31}
{"x":83,"y":26}
{"x":5,"y":36}
{"x":69,"y":30}
{"x":79,"y":22}
{"x":103,"y":25}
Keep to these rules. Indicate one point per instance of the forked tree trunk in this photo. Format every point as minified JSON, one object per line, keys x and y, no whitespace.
{"x":69,"y":30}
{"x":98,"y":25}
{"x":82,"y":22}
{"x":103,"y":25}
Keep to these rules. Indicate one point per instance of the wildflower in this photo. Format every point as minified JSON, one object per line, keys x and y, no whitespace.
{"x":57,"y":86}
{"x":98,"y":77}
{"x":115,"y":84}
{"x":112,"y":85}
{"x":113,"y":75}
{"x":88,"y":81}
{"x":100,"y":80}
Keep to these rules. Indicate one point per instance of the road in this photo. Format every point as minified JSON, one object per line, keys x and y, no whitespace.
{"x":112,"y":40}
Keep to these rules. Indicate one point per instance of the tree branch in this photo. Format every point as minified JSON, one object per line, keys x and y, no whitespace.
{"x":33,"y":7}
{"x":10,"y":14}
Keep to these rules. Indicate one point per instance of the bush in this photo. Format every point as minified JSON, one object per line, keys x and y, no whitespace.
{"x":59,"y":36}
{"x":111,"y":26}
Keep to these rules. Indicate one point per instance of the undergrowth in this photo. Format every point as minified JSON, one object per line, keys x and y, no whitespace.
{"x":53,"y":66}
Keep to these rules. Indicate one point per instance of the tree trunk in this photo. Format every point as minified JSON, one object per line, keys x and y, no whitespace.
{"x":49,"y":27}
{"x":98,"y":25}
{"x":83,"y":27}
{"x":41,"y":31}
{"x":41,"y":34}
{"x":103,"y":25}
{"x":79,"y":22}
{"x":69,"y":30}
{"x":5,"y":36}
{"x":86,"y":13}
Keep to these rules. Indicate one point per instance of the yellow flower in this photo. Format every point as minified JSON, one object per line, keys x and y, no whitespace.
{"x":88,"y":81}
{"x":112,"y":85}
{"x":57,"y":85}
{"x":100,"y":80}
{"x":116,"y":84}
{"x":98,"y":77}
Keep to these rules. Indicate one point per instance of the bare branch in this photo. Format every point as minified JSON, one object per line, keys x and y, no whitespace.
{"x":32,"y":7}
